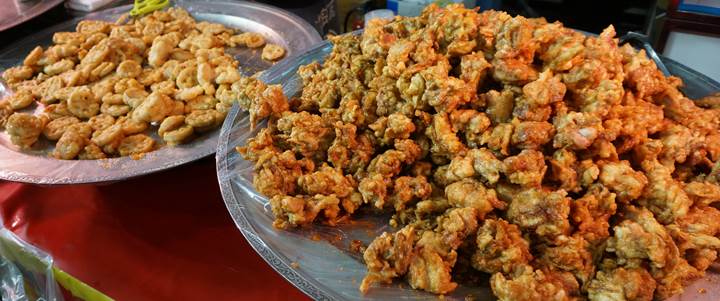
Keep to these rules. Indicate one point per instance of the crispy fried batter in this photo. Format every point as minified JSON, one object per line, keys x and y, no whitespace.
{"x":622,"y":284}
{"x":527,"y":284}
{"x":500,"y":247}
{"x":566,"y":166}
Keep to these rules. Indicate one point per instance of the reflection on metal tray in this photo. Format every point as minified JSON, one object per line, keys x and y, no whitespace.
{"x":277,"y":26}
{"x":15,"y":12}
{"x":318,"y":259}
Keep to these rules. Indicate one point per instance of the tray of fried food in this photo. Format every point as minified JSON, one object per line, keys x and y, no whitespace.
{"x":469,"y":154}
{"x":116,"y":86}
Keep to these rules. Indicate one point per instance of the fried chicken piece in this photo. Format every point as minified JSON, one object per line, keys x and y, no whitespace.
{"x":588,"y":172}
{"x":326,"y":181}
{"x":638,"y":120}
{"x":639,"y":237}
{"x":541,"y":211}
{"x":469,"y":193}
{"x":444,"y":140}
{"x":534,"y":104}
{"x":349,"y":151}
{"x":515,"y":50}
{"x":570,"y":254}
{"x":663,"y":195}
{"x":260,"y":146}
{"x":270,"y":102}
{"x":394,"y":126}
{"x":430,"y":268}
{"x":409,"y":189}
{"x":672,"y":279}
{"x":563,"y":165}
{"x":436,"y":255}
{"x":473,"y":70}
{"x":398,"y":57}
{"x":560,"y":48}
{"x":696,"y":236}
{"x":703,"y":193}
{"x":532,"y":134}
{"x":388,"y":256}
{"x":425,"y":209}
{"x":677,"y":141}
{"x":374,"y":189}
{"x":684,"y":111}
{"x":526,"y":169}
{"x":642,"y":74}
{"x":375,"y":41}
{"x":458,"y":27}
{"x":498,"y":139}
{"x":296,"y":211}
{"x":470,"y":122}
{"x":596,"y":83}
{"x":390,"y":162}
{"x":307,"y":134}
{"x":499,"y":104}
{"x":620,"y":284}
{"x":443,"y":92}
{"x":524,"y":284}
{"x":711,"y":101}
{"x":477,"y":162}
{"x":277,"y":174}
{"x":500,"y":247}
{"x":576,"y":130}
{"x":456,"y":224}
{"x":619,"y":177}
{"x":592,"y":212}
{"x":490,"y":23}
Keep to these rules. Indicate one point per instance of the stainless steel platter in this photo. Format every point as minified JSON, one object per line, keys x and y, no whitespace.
{"x":318,"y":259}
{"x":14,"y":12}
{"x":279,"y":27}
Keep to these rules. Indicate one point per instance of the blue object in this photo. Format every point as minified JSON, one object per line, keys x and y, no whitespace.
{"x":393,"y":6}
{"x":709,"y":10}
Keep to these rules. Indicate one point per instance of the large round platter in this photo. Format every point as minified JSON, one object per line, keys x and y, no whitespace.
{"x":15,"y":12}
{"x":318,"y":259}
{"x":278,"y":27}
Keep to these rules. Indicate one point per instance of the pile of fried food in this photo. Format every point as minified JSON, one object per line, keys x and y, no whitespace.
{"x":565,"y":166}
{"x":103,"y":85}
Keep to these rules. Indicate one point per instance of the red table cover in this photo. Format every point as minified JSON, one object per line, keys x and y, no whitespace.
{"x":166,"y":236}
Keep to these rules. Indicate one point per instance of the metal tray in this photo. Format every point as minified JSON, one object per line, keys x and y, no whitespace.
{"x":317,"y":259}
{"x":279,"y":27}
{"x":15,"y":12}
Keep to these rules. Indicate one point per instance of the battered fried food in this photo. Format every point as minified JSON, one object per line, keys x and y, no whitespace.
{"x":163,"y":68}
{"x":566,"y":166}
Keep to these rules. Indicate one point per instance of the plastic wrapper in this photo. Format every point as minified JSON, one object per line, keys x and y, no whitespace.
{"x":26,"y":272}
{"x":318,"y":259}
{"x":34,"y":166}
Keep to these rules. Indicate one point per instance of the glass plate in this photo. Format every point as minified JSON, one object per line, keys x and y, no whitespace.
{"x":34,"y":166}
{"x":318,"y":259}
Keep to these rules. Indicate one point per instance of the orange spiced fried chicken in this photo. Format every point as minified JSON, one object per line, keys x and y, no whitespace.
{"x":566,"y":166}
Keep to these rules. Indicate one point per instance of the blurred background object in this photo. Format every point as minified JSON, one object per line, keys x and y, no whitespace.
{"x":628,"y":15}
{"x":14,"y":12}
{"x":322,"y":14}
{"x":690,"y":34}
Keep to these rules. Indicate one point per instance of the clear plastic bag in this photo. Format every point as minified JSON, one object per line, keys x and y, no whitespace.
{"x":26,"y":272}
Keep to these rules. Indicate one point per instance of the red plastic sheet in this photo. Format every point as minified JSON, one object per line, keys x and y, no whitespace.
{"x":165,"y":236}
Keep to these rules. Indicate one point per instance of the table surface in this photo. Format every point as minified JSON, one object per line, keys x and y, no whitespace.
{"x":165,"y":236}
